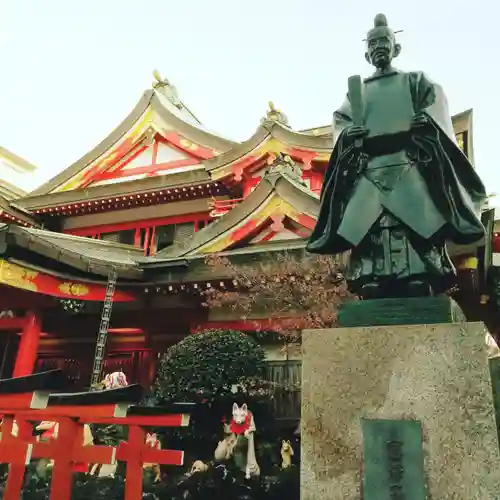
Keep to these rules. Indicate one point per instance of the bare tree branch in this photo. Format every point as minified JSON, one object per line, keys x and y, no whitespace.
{"x":298,"y":291}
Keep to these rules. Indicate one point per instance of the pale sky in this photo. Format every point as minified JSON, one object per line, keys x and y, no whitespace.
{"x":72,"y":70}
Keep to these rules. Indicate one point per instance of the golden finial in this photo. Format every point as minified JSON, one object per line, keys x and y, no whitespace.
{"x":272,"y":108}
{"x":159,"y":81}
{"x":275,"y":115}
{"x":157,"y":76}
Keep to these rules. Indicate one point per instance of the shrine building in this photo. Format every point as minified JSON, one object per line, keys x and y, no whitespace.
{"x":146,"y":206}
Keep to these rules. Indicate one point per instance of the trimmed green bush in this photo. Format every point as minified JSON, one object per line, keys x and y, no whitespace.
{"x":206,"y":367}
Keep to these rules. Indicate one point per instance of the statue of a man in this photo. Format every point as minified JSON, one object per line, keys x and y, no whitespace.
{"x":397,"y":185}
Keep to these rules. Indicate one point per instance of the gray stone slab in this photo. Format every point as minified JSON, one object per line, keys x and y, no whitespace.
{"x":436,"y":374}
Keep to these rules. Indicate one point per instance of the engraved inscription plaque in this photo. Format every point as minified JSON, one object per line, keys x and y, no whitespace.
{"x":393,"y":460}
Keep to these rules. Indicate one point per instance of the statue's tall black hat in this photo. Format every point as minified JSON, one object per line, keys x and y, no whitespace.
{"x":380,"y":28}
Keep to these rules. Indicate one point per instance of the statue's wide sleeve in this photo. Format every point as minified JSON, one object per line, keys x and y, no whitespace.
{"x":429,"y":97}
{"x":453,"y":182}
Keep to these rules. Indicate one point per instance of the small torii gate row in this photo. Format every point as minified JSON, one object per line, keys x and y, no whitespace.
{"x":28,"y":399}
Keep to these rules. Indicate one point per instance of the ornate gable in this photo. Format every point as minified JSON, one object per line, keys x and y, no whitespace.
{"x":280,"y":208}
{"x":160,"y":136}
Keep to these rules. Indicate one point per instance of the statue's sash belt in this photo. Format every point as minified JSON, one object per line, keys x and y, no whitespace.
{"x":409,"y":201}
{"x":385,"y":171}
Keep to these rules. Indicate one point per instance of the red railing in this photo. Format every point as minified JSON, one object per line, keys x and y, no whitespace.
{"x":27,"y":399}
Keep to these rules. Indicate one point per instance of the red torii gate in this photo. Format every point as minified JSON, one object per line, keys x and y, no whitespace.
{"x":27,"y":399}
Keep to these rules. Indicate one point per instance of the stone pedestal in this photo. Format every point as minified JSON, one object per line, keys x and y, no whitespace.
{"x":436,"y":374}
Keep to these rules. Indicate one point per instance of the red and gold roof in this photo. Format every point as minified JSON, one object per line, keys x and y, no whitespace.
{"x":280,"y":208}
{"x":162,"y":154}
{"x":159,"y":136}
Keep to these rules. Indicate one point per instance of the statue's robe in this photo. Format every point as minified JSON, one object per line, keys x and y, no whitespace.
{"x":417,"y":175}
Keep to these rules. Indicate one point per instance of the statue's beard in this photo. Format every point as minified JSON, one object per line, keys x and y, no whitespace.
{"x":381,"y":59}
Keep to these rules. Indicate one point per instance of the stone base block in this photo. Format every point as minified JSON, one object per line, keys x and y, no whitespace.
{"x":436,"y":374}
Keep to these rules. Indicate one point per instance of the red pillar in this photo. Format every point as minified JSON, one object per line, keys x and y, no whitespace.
{"x":28,"y":346}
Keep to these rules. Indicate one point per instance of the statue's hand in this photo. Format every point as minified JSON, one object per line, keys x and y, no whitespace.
{"x":419,"y":120}
{"x":357,"y":131}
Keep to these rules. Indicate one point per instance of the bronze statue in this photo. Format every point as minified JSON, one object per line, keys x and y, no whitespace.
{"x":397,"y":185}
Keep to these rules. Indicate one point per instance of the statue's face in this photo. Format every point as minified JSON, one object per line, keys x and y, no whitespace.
{"x":380,"y":51}
{"x":240,"y":414}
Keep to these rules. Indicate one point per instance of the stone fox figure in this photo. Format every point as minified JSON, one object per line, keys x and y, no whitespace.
{"x":239,"y":442}
{"x":286,"y":454}
{"x":397,"y":185}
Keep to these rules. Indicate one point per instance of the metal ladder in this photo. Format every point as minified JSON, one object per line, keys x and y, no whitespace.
{"x":102,"y":336}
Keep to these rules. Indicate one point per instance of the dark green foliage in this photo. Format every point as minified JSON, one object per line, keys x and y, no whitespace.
{"x":222,"y":483}
{"x":85,"y":487}
{"x":219,"y":483}
{"x":109,"y":435}
{"x":285,"y":485}
{"x":205,"y":367}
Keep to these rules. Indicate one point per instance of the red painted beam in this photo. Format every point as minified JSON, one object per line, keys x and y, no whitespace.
{"x":303,"y":155}
{"x":79,"y":453}
{"x":245,"y":230}
{"x":176,"y":420}
{"x":133,"y":481}
{"x":14,"y":402}
{"x":107,"y":162}
{"x":154,"y":158}
{"x":15,"y":480}
{"x":200,"y":152}
{"x":146,"y":454}
{"x":307,"y":221}
{"x":28,"y":347}
{"x":148,"y":169}
{"x":243,"y":164}
{"x":15,"y":452}
{"x":84,"y":412}
{"x":142,"y":224}
{"x":95,"y":454}
{"x":14,"y":446}
{"x":116,"y":171}
{"x":269,"y":236}
{"x":46,"y":284}
{"x":69,"y":434}
{"x":11,"y":323}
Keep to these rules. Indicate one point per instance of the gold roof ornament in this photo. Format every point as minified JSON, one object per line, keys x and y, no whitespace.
{"x":159,"y":81}
{"x":167,"y":89}
{"x":275,"y":115}
{"x":283,"y":163}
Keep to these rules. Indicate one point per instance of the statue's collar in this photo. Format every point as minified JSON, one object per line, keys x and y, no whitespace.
{"x":377,"y":76}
